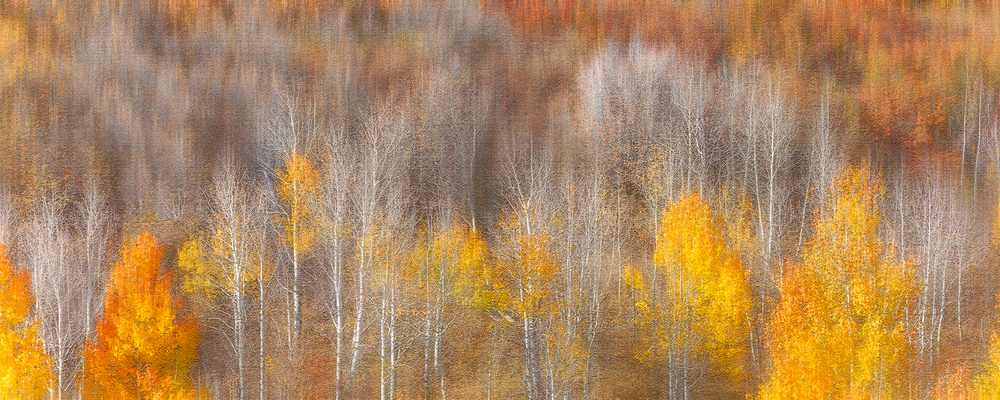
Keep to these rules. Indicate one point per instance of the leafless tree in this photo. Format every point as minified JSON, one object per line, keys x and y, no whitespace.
{"x":94,"y":228}
{"x":232,"y":242}
{"x":645,"y":113}
{"x":986,"y":131}
{"x":827,"y":160}
{"x":582,"y":242}
{"x":779,"y":125}
{"x":990,"y":122}
{"x":763,"y":122}
{"x":529,"y":196}
{"x":340,"y":169}
{"x":689,"y":95}
{"x":286,"y":128}
{"x":627,"y":102}
{"x":451,"y":133}
{"x":930,"y":218}
{"x":57,"y":290}
{"x":592,"y":258}
{"x":263,"y":260}
{"x":377,"y":199}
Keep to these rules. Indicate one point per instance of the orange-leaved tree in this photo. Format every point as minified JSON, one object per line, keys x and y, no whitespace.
{"x":839,"y":329}
{"x":144,"y":348}
{"x":697,"y":312}
{"x":25,"y":372}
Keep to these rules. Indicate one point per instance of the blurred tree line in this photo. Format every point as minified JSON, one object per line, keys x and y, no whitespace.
{"x":550,"y":199}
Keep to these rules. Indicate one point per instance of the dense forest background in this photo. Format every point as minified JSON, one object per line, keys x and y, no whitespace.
{"x":500,"y":199}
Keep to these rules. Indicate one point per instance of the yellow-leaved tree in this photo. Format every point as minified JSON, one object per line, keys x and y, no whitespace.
{"x":447,"y":265}
{"x":198,"y":275}
{"x":987,"y":385}
{"x":696,"y":313}
{"x":988,"y":381}
{"x":523,"y":291}
{"x":839,"y":329}
{"x":25,"y":372}
{"x":144,"y":348}
{"x":451,"y":264}
{"x":227,"y":267}
{"x":298,"y":188}
{"x":517,"y":285}
{"x":462,"y":253}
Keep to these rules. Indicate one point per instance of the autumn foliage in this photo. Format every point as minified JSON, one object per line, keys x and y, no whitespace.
{"x":465,"y":198}
{"x":298,"y":186}
{"x":698,"y":310}
{"x":144,"y":346}
{"x":457,"y":256}
{"x":839,"y":330}
{"x":25,"y":371}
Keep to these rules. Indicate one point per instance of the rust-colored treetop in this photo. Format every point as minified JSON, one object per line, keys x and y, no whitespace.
{"x":144,"y":348}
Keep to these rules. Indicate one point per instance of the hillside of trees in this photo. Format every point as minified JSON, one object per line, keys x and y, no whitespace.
{"x":485,"y":199}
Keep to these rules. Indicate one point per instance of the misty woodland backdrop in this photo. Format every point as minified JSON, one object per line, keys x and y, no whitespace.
{"x":499,"y":199}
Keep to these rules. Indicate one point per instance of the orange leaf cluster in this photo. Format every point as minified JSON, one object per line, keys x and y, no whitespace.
{"x":839,"y":329}
{"x":143,"y":348}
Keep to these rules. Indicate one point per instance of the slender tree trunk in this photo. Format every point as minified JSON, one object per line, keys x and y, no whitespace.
{"x":392,"y":338}
{"x":238,"y":321}
{"x":260,"y":326}
{"x":529,"y":373}
{"x":60,"y":353}
{"x":359,"y":313}
{"x":438,"y":333}
{"x":961,"y":266}
{"x":428,"y":344}
{"x":238,"y":328}
{"x":296,"y":295}
{"x":382,"y":345}
{"x":338,"y":309}
{"x":429,"y":337}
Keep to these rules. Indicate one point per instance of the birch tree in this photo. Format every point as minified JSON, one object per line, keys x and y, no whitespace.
{"x":689,"y":93}
{"x":336,"y":221}
{"x":592,"y":257}
{"x":377,"y":202}
{"x":262,"y":268}
{"x":56,"y":289}
{"x":298,"y":187}
{"x":226,"y":268}
{"x":285,"y":138}
{"x":527,"y":267}
{"x":929,"y":218}
{"x":779,"y":128}
{"x":94,"y":230}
